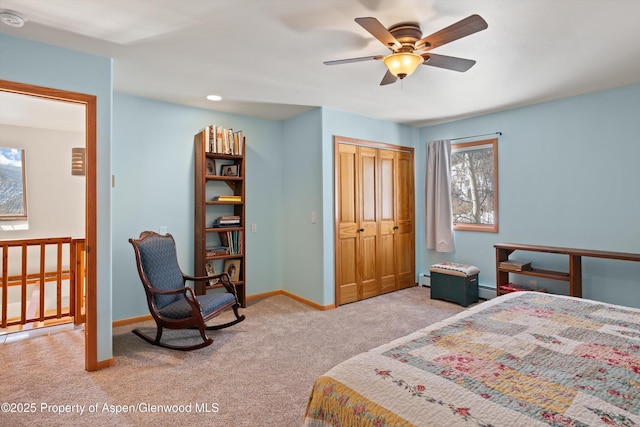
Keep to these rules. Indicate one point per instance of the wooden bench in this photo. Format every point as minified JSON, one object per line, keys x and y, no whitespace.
{"x":574,"y":276}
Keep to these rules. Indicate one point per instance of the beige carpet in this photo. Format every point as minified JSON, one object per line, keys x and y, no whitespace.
{"x":256,"y":373}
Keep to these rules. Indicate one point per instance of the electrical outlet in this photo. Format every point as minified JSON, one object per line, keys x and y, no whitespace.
{"x":533,"y":284}
{"x":162,"y":229}
{"x":254,"y":228}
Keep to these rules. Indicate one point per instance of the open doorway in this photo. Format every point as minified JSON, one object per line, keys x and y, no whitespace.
{"x":88,"y":103}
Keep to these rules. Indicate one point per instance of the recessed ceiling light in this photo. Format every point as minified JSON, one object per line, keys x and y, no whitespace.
{"x":214,"y":97}
{"x":12,"y":19}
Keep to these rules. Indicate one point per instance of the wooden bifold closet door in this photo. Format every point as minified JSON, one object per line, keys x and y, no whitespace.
{"x":374,"y":215}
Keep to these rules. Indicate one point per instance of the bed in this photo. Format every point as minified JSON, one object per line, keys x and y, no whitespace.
{"x":522,"y":359}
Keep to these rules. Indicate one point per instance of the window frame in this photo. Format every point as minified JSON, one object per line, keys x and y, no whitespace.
{"x":23,"y":215}
{"x":468,"y":146}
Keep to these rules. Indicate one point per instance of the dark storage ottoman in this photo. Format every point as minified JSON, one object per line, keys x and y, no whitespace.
{"x":454,"y":282}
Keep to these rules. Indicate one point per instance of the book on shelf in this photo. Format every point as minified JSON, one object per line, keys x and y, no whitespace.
{"x":514,"y":287}
{"x":218,"y":251}
{"x":222,"y":224}
{"x":224,"y":238}
{"x":227,"y":199}
{"x":228,"y":218}
{"x":207,"y":139}
{"x":515,"y":265}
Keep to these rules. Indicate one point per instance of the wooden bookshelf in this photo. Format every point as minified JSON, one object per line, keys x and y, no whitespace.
{"x":211,"y":160}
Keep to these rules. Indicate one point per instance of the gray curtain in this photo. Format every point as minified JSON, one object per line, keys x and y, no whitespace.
{"x":438,"y":217}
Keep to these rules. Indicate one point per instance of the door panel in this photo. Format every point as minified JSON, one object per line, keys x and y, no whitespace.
{"x":346,"y":226}
{"x":405,"y":260}
{"x":368,"y":255}
{"x":346,"y":267}
{"x":387,"y":254}
{"x":367,"y":267}
{"x":405,"y":234}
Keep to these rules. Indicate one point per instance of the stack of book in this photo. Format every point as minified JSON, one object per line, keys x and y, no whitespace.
{"x":231,"y":198}
{"x":227,"y":221}
{"x":224,"y":141}
{"x":218,"y":251}
{"x":515,"y":265}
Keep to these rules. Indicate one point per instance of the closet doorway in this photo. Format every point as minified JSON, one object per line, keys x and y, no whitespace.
{"x":374,"y":219}
{"x":90,"y":104}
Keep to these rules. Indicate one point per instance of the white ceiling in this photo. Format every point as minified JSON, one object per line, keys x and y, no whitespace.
{"x":265,"y":57}
{"x":32,"y":111}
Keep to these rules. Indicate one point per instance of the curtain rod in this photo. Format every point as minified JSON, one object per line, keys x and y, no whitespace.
{"x":476,"y":136}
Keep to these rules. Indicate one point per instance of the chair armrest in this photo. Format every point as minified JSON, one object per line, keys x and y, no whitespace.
{"x":196,"y":308}
{"x":228,"y":285}
{"x":223,"y":277}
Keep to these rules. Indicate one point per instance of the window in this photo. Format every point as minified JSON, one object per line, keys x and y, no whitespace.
{"x":13,"y":195}
{"x":474,"y":185}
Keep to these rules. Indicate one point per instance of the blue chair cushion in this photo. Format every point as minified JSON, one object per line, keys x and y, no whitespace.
{"x":160,"y":263}
{"x":181,"y":309}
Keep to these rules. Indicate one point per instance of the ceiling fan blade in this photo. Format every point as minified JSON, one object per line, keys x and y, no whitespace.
{"x":448,"y":62}
{"x":469,"y":25}
{"x":346,"y":61}
{"x":379,"y":31}
{"x":388,"y":79}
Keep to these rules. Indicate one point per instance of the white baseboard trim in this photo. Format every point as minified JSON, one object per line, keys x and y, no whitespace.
{"x":486,"y":292}
{"x":424,"y":280}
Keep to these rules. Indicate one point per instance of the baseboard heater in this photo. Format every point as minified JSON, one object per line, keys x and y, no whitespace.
{"x":484,"y":292}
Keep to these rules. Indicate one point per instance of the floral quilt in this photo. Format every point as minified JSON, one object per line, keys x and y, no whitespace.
{"x":522,"y":359}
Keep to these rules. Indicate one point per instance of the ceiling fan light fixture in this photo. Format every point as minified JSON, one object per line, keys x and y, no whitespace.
{"x":402,"y":64}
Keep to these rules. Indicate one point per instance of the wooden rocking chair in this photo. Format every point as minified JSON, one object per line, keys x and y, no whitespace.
{"x":172,"y":304}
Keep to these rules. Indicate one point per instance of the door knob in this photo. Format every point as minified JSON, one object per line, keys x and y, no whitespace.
{"x":361,"y":230}
{"x":396,"y":227}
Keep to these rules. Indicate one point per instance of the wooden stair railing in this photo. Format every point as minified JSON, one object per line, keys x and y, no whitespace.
{"x":47,"y":270}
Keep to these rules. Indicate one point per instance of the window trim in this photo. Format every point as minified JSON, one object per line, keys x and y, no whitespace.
{"x":468,"y":146}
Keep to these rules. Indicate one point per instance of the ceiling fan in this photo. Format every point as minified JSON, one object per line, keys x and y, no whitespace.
{"x":409,"y":49}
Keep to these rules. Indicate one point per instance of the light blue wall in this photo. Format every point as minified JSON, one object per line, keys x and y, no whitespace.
{"x":40,"y":64}
{"x":153,"y":164}
{"x":568,"y":176}
{"x":339,"y":123}
{"x":301,"y":240}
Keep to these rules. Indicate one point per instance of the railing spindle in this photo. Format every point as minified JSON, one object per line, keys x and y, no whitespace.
{"x":23,"y":294}
{"x":5,"y":283}
{"x":43,"y":250}
{"x":59,"y":282}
